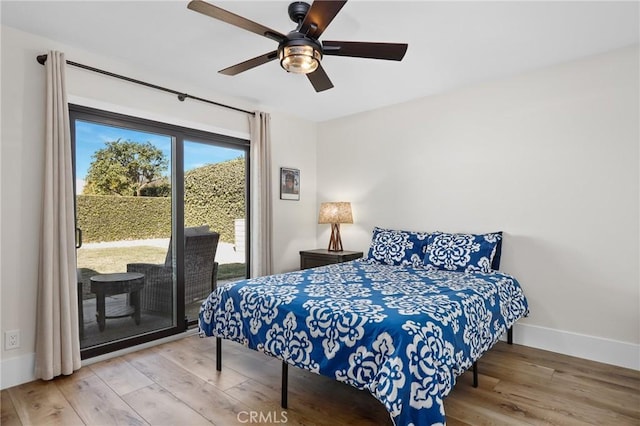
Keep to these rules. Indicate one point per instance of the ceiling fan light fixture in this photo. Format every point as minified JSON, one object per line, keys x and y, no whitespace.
{"x":300,"y":59}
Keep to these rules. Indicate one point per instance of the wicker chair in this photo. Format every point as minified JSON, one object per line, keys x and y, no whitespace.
{"x":200,"y":272}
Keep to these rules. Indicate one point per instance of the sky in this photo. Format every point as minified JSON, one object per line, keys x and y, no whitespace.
{"x":91,"y":137}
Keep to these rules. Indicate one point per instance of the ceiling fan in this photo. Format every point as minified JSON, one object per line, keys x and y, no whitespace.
{"x":300,"y":51}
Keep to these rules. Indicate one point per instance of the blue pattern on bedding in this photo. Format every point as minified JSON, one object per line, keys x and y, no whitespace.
{"x":462,"y":252}
{"x":402,"y":333}
{"x":397,"y":247}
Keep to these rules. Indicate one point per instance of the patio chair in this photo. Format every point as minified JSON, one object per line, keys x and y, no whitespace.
{"x":200,"y":272}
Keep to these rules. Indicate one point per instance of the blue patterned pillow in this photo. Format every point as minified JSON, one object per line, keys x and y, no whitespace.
{"x":462,"y":252}
{"x":391,"y":247}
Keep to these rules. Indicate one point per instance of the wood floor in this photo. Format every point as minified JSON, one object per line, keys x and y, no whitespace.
{"x":176,"y":384}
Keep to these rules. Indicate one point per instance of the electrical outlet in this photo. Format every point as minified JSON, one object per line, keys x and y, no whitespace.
{"x":11,"y":339}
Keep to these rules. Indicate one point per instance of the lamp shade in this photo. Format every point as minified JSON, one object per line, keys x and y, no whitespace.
{"x":335,"y":212}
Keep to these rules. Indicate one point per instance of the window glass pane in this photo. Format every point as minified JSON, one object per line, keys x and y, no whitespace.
{"x":214,"y":201}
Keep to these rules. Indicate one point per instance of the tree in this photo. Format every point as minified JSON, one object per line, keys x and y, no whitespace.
{"x":124,"y":168}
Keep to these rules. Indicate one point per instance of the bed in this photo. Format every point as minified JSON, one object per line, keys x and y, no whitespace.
{"x":403,"y":323}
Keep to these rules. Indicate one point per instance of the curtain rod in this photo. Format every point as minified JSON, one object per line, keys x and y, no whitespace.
{"x":181,"y":96}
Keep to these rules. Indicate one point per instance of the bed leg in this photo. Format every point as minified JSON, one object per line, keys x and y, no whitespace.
{"x":285,"y":374}
{"x":510,"y":335}
{"x":475,"y":374}
{"x":219,"y":353}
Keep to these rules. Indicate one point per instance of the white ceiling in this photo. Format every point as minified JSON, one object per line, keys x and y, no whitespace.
{"x":451,"y":44}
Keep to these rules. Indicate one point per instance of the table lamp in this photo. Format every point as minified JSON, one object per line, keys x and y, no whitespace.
{"x":335,"y":213}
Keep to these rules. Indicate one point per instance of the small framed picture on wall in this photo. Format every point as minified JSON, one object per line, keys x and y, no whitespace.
{"x":289,"y":184}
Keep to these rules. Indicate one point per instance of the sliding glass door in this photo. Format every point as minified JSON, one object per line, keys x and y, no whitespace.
{"x":161,"y":213}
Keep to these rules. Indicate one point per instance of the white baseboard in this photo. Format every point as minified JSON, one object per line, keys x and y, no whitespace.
{"x":594,"y":348}
{"x":19,"y":370}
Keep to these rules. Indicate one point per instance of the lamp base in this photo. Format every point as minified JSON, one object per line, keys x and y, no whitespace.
{"x":335,"y":243}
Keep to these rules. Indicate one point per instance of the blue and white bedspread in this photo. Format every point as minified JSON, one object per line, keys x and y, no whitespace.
{"x":402,"y":333}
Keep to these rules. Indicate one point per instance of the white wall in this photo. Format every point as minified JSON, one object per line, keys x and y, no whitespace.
{"x":22,"y":158}
{"x":549,"y":157}
{"x":294,"y":220}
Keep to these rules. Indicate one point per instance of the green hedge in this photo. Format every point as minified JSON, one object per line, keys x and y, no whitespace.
{"x":214,"y":195}
{"x":114,"y":218}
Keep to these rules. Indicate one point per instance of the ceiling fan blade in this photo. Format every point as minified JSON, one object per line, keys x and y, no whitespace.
{"x":251,"y":63}
{"x":320,"y":80}
{"x":389,"y":51}
{"x":320,"y":16}
{"x":233,"y":19}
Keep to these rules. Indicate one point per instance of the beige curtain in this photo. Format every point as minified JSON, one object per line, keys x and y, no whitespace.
{"x":261,"y":195}
{"x":57,"y":336}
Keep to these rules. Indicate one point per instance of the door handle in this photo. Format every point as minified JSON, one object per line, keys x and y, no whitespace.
{"x":78,"y":238}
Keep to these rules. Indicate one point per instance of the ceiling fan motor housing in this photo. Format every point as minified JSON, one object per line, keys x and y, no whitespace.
{"x":295,"y":38}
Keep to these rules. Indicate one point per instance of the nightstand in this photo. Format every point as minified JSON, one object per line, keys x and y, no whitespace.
{"x":321,"y":257}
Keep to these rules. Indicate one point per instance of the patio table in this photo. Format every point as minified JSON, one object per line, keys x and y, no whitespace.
{"x":116,"y":283}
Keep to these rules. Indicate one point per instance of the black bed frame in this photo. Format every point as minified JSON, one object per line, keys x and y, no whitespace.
{"x":285,"y":367}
